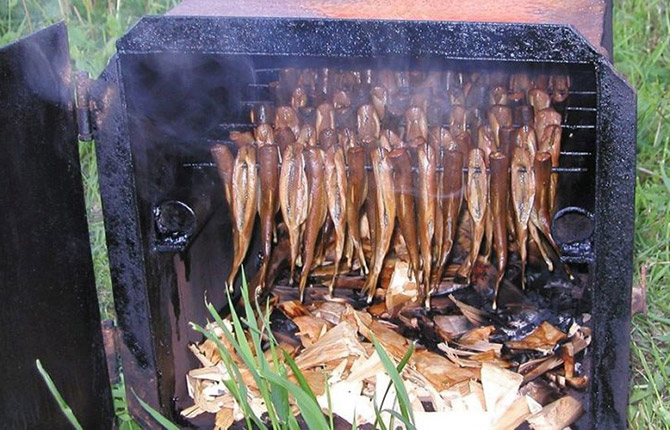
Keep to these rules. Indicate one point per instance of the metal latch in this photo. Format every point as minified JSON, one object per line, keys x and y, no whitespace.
{"x":83,"y":108}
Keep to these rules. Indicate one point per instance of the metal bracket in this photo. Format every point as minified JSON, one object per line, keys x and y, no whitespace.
{"x":83,"y":106}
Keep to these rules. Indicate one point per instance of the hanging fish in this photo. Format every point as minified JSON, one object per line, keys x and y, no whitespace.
{"x":245,"y":182}
{"x":357,"y":191}
{"x":523,"y":196}
{"x":268,"y":160}
{"x":405,"y":209}
{"x":477,"y":199}
{"x":499,"y":198}
{"x":293,"y":197}
{"x":427,"y":202}
{"x":316,"y":212}
{"x":452,"y":199}
{"x":336,"y":191}
{"x":385,"y":215}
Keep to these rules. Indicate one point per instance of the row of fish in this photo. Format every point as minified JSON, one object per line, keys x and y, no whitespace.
{"x":362,"y":188}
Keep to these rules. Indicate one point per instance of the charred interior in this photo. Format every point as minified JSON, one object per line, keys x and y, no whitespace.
{"x":183,"y":105}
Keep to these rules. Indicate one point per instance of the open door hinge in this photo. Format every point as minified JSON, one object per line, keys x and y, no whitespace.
{"x":83,"y":105}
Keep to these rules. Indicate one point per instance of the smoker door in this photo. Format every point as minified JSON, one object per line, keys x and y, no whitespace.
{"x":48,"y":303}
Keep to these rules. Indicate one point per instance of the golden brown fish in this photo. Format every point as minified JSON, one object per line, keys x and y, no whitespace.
{"x":539,"y":99}
{"x":498,"y":96}
{"x":328,"y":138}
{"x":457,"y":120}
{"x":325,"y":117}
{"x":506,"y":138}
{"x":225,"y":162}
{"x":542,"y":166}
{"x":316,"y":212}
{"x":357,"y":191}
{"x":416,"y":124}
{"x":263,"y":135}
{"x":368,"y":121}
{"x":525,"y":137}
{"x":486,"y":142}
{"x":268,"y":161}
{"x":524,"y":115}
{"x":389,"y":140}
{"x":499,"y":197}
{"x":477,"y":199}
{"x":307,"y":136}
{"x":242,"y":138}
{"x":293,"y":197}
{"x":499,"y":116}
{"x":298,"y":98}
{"x":336,"y":192}
{"x":560,"y":87}
{"x":245,"y":183}
{"x":452,"y":199}
{"x":285,"y":116}
{"x":551,"y":143}
{"x":379,"y":97}
{"x":386,"y":213}
{"x":545,"y":118}
{"x":405,"y":210}
{"x":440,"y":137}
{"x":427,"y":202}
{"x":283,"y":138}
{"x":519,"y":85}
{"x":523,"y":197}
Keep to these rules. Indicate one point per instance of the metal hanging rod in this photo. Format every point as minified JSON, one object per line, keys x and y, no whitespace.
{"x":208,"y":165}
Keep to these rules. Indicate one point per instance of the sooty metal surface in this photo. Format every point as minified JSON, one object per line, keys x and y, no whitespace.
{"x":48,"y":303}
{"x":179,"y":83}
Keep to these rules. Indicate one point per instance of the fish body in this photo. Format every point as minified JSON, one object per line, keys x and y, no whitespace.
{"x":452,"y":200}
{"x":225,"y":162}
{"x":268,"y":161}
{"x":405,"y":209}
{"x":550,"y":142}
{"x":385,"y":215}
{"x":522,"y":179}
{"x":477,"y":199}
{"x":499,"y":198}
{"x":357,"y":191}
{"x":427,"y":202}
{"x":293,"y":197}
{"x":368,"y":121}
{"x":336,"y":192}
{"x":244,"y":203}
{"x":316,"y":212}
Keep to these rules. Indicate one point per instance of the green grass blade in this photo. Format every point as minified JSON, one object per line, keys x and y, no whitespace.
{"x":392,"y":370}
{"x":64,"y":407}
{"x":302,"y":382}
{"x":309,"y":409}
{"x":160,"y":419}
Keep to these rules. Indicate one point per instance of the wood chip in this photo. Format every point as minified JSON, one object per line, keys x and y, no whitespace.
{"x":339,"y":342}
{"x":557,"y":415}
{"x":401,"y":289}
{"x":500,"y":388}
{"x":477,"y":335}
{"x":450,"y":327}
{"x":394,"y":343}
{"x":543,"y":339}
{"x":475,"y":316}
{"x":517,"y":413}
{"x":311,"y":329}
{"x":293,"y":309}
{"x":224,"y":419}
{"x":440,"y":371}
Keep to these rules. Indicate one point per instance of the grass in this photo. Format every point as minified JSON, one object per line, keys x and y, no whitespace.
{"x":642,"y":54}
